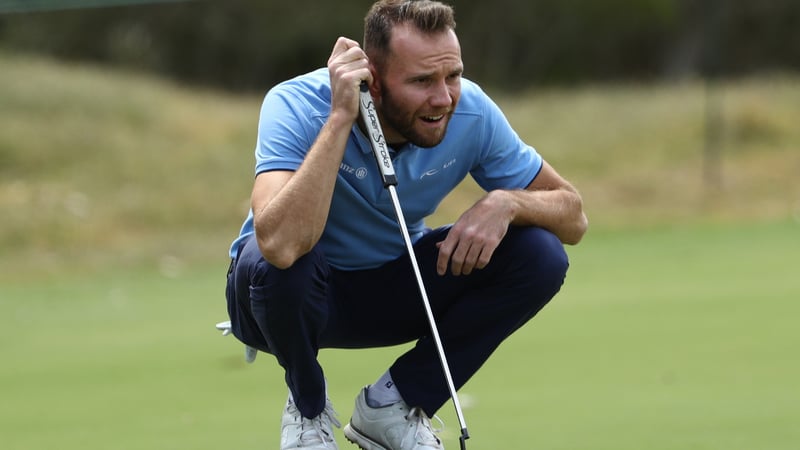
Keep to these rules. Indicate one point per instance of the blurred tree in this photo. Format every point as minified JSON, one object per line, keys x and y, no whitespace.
{"x":251,"y":44}
{"x":565,"y":40}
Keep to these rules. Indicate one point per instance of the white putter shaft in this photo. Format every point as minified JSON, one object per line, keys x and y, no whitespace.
{"x":381,"y":152}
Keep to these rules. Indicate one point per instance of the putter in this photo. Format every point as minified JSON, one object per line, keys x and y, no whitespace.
{"x":381,"y":152}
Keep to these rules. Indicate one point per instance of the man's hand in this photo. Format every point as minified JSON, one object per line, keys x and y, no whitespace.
{"x":549,"y":202}
{"x":348,"y":67}
{"x":476,"y":234}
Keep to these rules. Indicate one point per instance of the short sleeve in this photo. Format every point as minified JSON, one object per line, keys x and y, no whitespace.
{"x":283,"y":132}
{"x":506,"y":162}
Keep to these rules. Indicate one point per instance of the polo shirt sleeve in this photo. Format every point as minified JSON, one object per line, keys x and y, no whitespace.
{"x":283,"y":137}
{"x":505,"y":162}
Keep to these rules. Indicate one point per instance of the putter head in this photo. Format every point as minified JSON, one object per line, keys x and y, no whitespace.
{"x":463,"y":439}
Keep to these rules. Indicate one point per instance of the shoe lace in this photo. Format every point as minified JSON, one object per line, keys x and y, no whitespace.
{"x":425,"y":433}
{"x":319,"y":428}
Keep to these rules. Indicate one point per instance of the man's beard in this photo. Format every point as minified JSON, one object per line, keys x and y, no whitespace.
{"x":403,"y":123}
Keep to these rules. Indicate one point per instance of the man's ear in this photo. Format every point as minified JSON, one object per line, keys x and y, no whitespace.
{"x":376,"y":88}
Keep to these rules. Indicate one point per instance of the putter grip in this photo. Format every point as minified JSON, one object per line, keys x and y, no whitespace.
{"x":375,"y":135}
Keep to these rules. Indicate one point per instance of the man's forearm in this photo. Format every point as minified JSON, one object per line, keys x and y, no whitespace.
{"x":559,"y":210}
{"x":290,"y":224}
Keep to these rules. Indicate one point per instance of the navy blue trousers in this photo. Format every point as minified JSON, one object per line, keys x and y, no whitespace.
{"x":293,"y":313}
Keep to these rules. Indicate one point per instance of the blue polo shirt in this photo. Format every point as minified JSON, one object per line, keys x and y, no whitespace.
{"x":362,"y":230}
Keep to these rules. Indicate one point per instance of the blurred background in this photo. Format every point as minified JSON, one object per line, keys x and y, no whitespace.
{"x":93,"y":106}
{"x":127,"y":130}
{"x":246,"y":45}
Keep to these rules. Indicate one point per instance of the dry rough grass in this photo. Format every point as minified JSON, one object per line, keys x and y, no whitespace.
{"x":102,"y":166}
{"x":638,"y":154}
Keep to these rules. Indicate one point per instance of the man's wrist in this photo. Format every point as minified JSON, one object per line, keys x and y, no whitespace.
{"x":341,"y":119}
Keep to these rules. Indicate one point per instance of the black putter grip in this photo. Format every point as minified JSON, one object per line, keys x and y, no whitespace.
{"x":375,"y":135}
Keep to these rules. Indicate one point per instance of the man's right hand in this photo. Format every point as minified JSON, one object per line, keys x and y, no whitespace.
{"x":290,"y":209}
{"x":348,"y":67}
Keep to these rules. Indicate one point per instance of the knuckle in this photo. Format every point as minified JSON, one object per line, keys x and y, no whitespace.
{"x":483,"y":261}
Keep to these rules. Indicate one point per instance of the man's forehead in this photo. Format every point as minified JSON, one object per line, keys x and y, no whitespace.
{"x":411,"y":46}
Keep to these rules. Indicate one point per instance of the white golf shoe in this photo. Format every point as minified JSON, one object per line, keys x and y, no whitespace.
{"x":393,"y":427}
{"x":298,"y":432}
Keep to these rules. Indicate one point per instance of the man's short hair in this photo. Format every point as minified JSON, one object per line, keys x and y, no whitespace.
{"x":428,"y":16}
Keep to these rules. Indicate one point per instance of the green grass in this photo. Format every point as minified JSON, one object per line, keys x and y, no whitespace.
{"x":676,"y":338}
{"x":119,"y":194}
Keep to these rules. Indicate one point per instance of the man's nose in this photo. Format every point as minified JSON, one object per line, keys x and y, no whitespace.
{"x":440,"y":95}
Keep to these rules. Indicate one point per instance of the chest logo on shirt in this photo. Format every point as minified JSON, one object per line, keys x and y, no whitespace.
{"x":360,"y":172}
{"x":436,"y":170}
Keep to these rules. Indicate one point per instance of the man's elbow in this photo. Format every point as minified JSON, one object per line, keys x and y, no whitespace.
{"x":281,"y":255}
{"x":576,"y":231}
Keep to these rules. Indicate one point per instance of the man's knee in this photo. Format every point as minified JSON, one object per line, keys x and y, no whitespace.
{"x":291,"y":287}
{"x":261,"y":296}
{"x":542,"y":254}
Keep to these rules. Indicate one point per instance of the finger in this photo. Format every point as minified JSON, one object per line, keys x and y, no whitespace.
{"x":485,"y":256}
{"x":352,"y":66}
{"x":472,"y":259}
{"x":342,"y":45}
{"x":357,"y":69}
{"x":458,"y":261}
{"x":345,"y":62}
{"x":444,"y":257}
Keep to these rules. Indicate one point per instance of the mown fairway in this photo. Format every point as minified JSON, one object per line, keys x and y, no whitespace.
{"x":119,"y":195}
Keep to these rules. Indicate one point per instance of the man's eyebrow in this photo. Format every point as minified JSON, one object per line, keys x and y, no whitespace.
{"x":420,"y":76}
{"x":423,"y":75}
